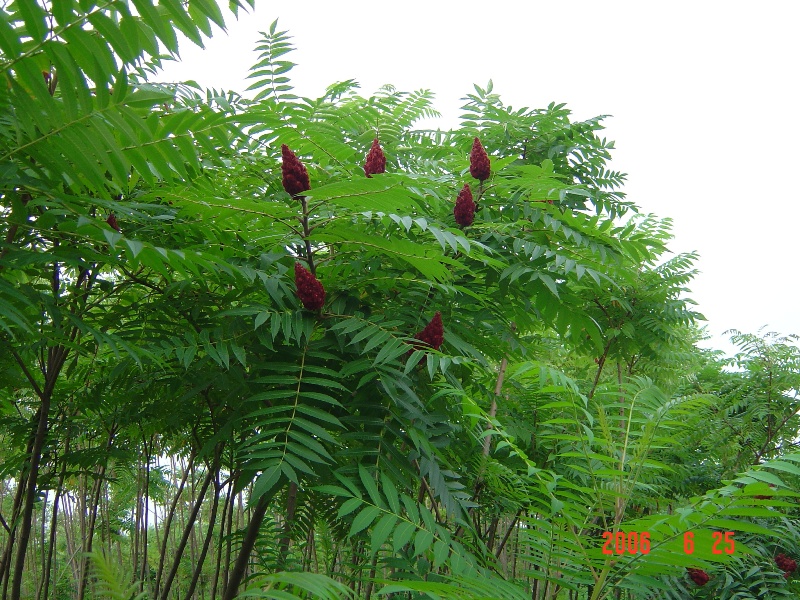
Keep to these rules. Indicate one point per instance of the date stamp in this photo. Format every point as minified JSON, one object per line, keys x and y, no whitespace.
{"x":634,"y":542}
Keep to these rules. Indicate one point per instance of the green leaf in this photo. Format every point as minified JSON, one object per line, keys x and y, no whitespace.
{"x":382,"y":530}
{"x":402,"y":535}
{"x":370,"y":486}
{"x":364,"y":519}
{"x":349,"y":506}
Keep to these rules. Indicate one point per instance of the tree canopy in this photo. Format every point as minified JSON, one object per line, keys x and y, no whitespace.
{"x":261,"y":345}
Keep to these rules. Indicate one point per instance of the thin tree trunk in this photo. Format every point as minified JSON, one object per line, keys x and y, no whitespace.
{"x":371,"y":580}
{"x":5,"y":564}
{"x":55,"y":361}
{"x":33,"y":558}
{"x":291,"y":506}
{"x":69,"y":535}
{"x":508,"y":534}
{"x":30,"y":489}
{"x":89,"y":534}
{"x":600,"y":364}
{"x":207,"y":542}
{"x":194,"y":526}
{"x":239,"y":569}
{"x":43,"y":590}
{"x":492,"y":532}
{"x":187,"y":531}
{"x":168,"y":522}
{"x":227,"y":510}
{"x":137,"y":517}
{"x":43,"y":539}
{"x":148,"y":449}
{"x":487,"y":441}
{"x":229,"y":542}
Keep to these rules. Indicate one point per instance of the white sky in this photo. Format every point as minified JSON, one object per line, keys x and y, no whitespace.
{"x":703,"y":95}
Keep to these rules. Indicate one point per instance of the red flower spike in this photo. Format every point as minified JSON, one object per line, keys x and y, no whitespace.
{"x":112,"y":222}
{"x":309,"y":289}
{"x":786,"y":564}
{"x":464,"y":210}
{"x":479,"y":166}
{"x":433,"y":334}
{"x":376,"y":160}
{"x":699,"y":576}
{"x":295,"y":175}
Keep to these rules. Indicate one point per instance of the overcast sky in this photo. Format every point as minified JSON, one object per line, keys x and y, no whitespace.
{"x":703,"y":98}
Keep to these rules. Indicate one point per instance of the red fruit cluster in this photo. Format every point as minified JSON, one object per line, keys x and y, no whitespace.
{"x":699,"y":576}
{"x":376,"y":161}
{"x":433,"y":334}
{"x":464,"y":210}
{"x":479,"y":166}
{"x":112,"y":222}
{"x":786,"y":564}
{"x":309,"y":289}
{"x":295,"y":176}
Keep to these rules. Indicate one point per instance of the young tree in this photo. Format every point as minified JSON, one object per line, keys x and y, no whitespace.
{"x":350,"y":338}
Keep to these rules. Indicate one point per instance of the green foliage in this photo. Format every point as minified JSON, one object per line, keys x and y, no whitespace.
{"x":112,"y":582}
{"x":330,"y":453}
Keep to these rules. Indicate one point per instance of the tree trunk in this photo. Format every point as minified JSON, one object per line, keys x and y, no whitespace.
{"x":187,"y":531}
{"x":238,"y":571}
{"x":291,"y":506}
{"x":43,"y":590}
{"x":30,"y":489}
{"x":227,"y":511}
{"x":207,"y":542}
{"x":89,"y":533}
{"x":5,"y":563}
{"x":168,"y":522}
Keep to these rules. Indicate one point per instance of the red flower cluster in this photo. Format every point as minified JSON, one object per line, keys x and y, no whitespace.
{"x":112,"y":222}
{"x":376,"y":161}
{"x":309,"y":290}
{"x":699,"y":576}
{"x":786,"y":564}
{"x":464,"y":210}
{"x":433,"y":334}
{"x":479,"y":166}
{"x":295,"y":176}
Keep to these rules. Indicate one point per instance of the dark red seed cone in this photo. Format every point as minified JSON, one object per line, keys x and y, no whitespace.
{"x":433,"y":334}
{"x":786,"y":564}
{"x":464,"y":210}
{"x":376,"y":160}
{"x":112,"y":222}
{"x":309,"y":289}
{"x":479,"y":166}
{"x":295,"y":176}
{"x":699,"y":576}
